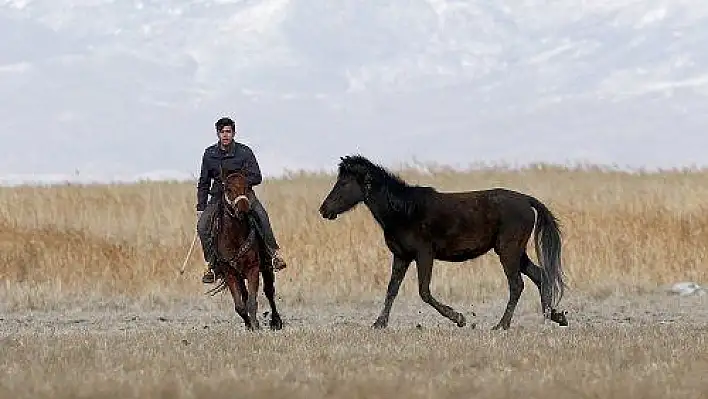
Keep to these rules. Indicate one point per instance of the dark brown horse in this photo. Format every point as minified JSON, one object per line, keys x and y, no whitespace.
{"x":422,"y":224}
{"x":240,"y":253}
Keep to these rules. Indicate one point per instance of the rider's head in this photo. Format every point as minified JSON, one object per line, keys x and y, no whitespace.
{"x":226,"y":130}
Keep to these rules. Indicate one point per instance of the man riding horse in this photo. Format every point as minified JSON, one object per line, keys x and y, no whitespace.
{"x":231,"y":155}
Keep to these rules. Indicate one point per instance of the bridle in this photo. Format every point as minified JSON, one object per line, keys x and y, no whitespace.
{"x":231,"y":208}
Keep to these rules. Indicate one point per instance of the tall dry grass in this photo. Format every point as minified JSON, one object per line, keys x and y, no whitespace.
{"x":622,"y":232}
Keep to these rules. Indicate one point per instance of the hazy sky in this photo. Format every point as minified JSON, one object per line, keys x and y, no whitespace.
{"x":121,"y":88}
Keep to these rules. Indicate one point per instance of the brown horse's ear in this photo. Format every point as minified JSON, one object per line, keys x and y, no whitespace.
{"x":225,"y":173}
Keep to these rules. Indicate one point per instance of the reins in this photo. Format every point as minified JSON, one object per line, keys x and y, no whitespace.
{"x":222,"y":211}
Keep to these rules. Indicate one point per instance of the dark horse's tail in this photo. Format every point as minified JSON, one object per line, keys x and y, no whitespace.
{"x":548,"y":249}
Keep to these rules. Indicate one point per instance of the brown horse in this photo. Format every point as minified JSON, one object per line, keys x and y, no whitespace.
{"x":240,"y":254}
{"x":422,"y":224}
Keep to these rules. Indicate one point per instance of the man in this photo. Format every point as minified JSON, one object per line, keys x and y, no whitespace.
{"x":229,"y":154}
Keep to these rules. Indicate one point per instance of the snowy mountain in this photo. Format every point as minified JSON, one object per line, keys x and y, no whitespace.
{"x":126,"y":87}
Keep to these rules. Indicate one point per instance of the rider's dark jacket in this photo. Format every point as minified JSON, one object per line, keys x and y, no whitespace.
{"x":238,"y":157}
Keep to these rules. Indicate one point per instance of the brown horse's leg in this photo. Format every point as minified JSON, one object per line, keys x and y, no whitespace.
{"x":253,"y":277}
{"x":399,"y":266}
{"x":239,"y":305}
{"x":243,"y":289}
{"x":424,"y":264}
{"x":538,"y":276}
{"x":269,"y":290}
{"x":510,"y":257}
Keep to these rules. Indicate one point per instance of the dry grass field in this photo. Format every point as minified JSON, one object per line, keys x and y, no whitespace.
{"x":92,"y":304}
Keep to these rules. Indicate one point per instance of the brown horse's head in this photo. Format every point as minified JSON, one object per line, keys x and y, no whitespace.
{"x":235,"y":193}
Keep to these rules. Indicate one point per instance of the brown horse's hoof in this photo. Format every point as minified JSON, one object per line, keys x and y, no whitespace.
{"x":276,"y":324}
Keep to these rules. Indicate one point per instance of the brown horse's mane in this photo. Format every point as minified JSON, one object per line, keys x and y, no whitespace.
{"x":220,"y":213}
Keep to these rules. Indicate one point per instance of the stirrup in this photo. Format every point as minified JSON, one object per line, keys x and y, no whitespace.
{"x":209,"y":276}
{"x":276,"y":262}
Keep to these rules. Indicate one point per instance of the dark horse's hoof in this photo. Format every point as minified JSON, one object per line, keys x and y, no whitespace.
{"x":379,"y":324}
{"x":559,"y":317}
{"x":461,"y":321}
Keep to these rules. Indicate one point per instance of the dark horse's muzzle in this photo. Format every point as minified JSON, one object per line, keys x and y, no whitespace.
{"x":327,"y":213}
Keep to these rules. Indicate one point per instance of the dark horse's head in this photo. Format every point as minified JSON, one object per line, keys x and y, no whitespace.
{"x":356,"y":180}
{"x":349,"y":189}
{"x":235,"y":193}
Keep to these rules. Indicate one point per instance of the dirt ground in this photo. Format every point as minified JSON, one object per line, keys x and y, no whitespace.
{"x":640,"y":346}
{"x":207,"y":312}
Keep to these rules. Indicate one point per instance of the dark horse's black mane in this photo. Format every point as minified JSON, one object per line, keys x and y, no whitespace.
{"x":404,"y":199}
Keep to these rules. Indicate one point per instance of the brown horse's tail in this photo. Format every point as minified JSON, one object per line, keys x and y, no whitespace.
{"x":548,"y":249}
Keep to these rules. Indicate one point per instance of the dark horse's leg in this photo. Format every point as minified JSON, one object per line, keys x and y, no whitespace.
{"x":269,"y":290}
{"x":538,"y":276}
{"x":510,"y":249}
{"x":237,"y":294}
{"x":516,"y":287}
{"x":399,"y":266}
{"x":424,"y":264}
